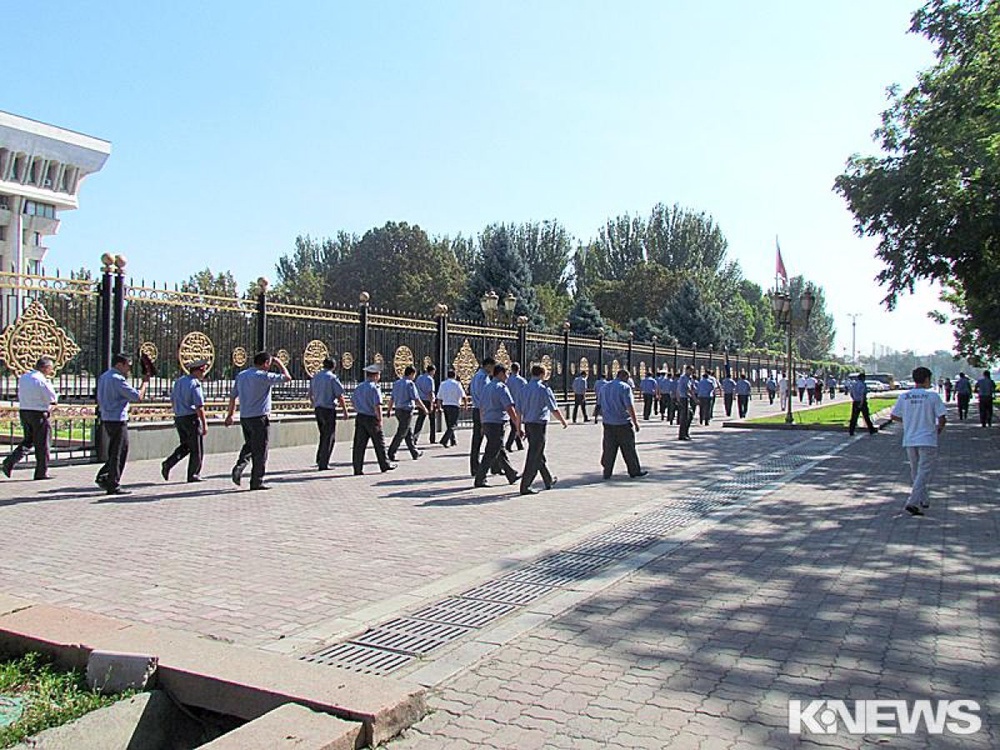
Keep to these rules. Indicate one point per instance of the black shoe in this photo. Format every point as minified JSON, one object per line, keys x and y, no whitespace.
{"x":639,"y":475}
{"x":511,"y":480}
{"x":260,"y":487}
{"x":195,"y":478}
{"x":237,"y":474}
{"x":323,"y":468}
{"x":6,"y":468}
{"x":359,"y":473}
{"x":391,"y":457}
{"x":43,"y":477}
{"x":913,"y":510}
{"x":552,"y":484}
{"x":529,"y":491}
{"x":925,"y":505}
{"x":101,"y":482}
{"x":417,"y":455}
{"x":390,"y":467}
{"x":607,"y":476}
{"x":165,"y":471}
{"x":479,"y":485}
{"x":117,"y":491}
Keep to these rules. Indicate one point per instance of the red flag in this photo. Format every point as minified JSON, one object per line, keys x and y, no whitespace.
{"x":779,"y":266}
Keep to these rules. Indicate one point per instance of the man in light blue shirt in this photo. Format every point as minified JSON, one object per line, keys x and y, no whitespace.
{"x":743,"y":390}
{"x":496,"y":407}
{"x":580,"y":396}
{"x":859,"y":405}
{"x":647,"y":387}
{"x":114,"y":394}
{"x":986,"y":389}
{"x":252,"y":388}
{"x":620,"y":426}
{"x":598,"y":387}
{"x":705,"y":389}
{"x":367,"y":398}
{"x":772,"y":388}
{"x":664,"y":387}
{"x":728,"y":393}
{"x":536,"y":405}
{"x":476,"y":386}
{"x":404,"y":399}
{"x":685,"y":407}
{"x":326,"y":392}
{"x":188,"y":403}
{"x":36,"y":397}
{"x":515,"y":384}
{"x":425,"y":389}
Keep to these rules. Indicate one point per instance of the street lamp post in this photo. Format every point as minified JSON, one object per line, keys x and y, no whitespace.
{"x":781,"y":303}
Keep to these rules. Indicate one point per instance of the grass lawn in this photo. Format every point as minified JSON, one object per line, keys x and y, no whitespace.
{"x":46,"y":695}
{"x":835,"y":415}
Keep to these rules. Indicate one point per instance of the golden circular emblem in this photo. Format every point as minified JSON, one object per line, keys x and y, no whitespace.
{"x":35,"y":334}
{"x":195,"y":345}
{"x":240,"y":357}
{"x":347,"y":360}
{"x":314,"y":355}
{"x":402,"y":359}
{"x":283,"y":356}
{"x":149,"y":349}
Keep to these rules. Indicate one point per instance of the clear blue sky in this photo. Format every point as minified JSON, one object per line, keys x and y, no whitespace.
{"x":236,"y":126}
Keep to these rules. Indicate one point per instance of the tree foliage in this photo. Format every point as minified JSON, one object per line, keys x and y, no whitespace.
{"x":584,"y":318}
{"x":691,"y":318}
{"x":501,"y":269}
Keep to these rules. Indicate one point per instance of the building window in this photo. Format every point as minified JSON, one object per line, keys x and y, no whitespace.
{"x":34,"y":208}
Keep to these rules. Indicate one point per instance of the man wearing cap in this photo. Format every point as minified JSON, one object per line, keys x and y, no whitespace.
{"x":425,"y":389}
{"x":326,"y":392}
{"x":620,"y":426}
{"x":188,"y":402}
{"x":253,"y":389}
{"x":114,"y":394}
{"x":35,"y":396}
{"x":476,"y":386}
{"x":404,"y":399}
{"x":367,"y":398}
{"x":537,"y":403}
{"x":496,"y":407}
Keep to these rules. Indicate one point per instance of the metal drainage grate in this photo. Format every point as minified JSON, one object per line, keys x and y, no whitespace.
{"x":410,"y":636}
{"x":612,"y":550}
{"x":507,"y":591}
{"x":359,"y":658}
{"x":469,"y":613}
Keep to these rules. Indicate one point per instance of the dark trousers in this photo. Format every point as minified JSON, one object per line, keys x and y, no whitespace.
{"x":666,"y":408}
{"x":802,"y":393}
{"x":833,"y":393}
{"x":580,"y":402}
{"x":403,"y":432}
{"x":985,"y":411}
{"x":367,"y":428}
{"x":860,"y":407}
{"x":450,"y":421}
{"x":742,"y":405}
{"x":705,"y":409}
{"x":963,"y":404}
{"x":947,"y":394}
{"x":770,"y":396}
{"x":647,"y":404}
{"x":512,"y":438}
{"x":326,"y":419}
{"x":35,"y":426}
{"x":727,"y":400}
{"x":619,"y":437}
{"x":819,"y":394}
{"x":110,"y":475}
{"x":255,"y":439}
{"x":429,"y":416}
{"x":685,"y":415}
{"x":534,"y":462}
{"x":494,"y":453}
{"x":191,"y":445}
{"x":475,"y":447}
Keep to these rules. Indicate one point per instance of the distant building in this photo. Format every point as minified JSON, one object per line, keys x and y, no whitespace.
{"x":41,"y":170}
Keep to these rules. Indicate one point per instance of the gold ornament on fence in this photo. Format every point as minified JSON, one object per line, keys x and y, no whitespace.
{"x":402,"y":359}
{"x":379,"y":359}
{"x":240,"y":357}
{"x":195,"y":345}
{"x":642,"y":370}
{"x":615,"y":367}
{"x":313,"y":356}
{"x":35,"y":334}
{"x":428,"y":362}
{"x":584,"y":365}
{"x":149,"y":349}
{"x":502,"y":357}
{"x":547,"y":364}
{"x":283,"y":356}
{"x":347,"y":360}
{"x":465,"y":364}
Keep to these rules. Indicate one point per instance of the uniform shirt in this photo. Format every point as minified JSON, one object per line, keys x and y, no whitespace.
{"x":367,"y":398}
{"x":404,"y":394}
{"x":479,"y":381}
{"x":783,"y":385}
{"x":963,"y":386}
{"x":598,"y":387}
{"x":616,"y":398}
{"x":495,"y":400}
{"x":831,"y":382}
{"x":810,"y":383}
{"x":859,"y":389}
{"x":684,"y":386}
{"x":35,"y":392}
{"x":515,"y":384}
{"x":580,"y":385}
{"x":451,"y":392}
{"x":537,"y":402}
{"x":919,"y":408}
{"x":253,"y":388}
{"x":800,"y":383}
{"x":986,"y":388}
{"x":666,"y":385}
{"x":186,"y":396}
{"x":325,"y":389}
{"x":705,"y":388}
{"x":743,"y":387}
{"x":113,"y":396}
{"x":728,"y":385}
{"x":771,"y":385}
{"x":425,"y":387}
{"x":648,"y":385}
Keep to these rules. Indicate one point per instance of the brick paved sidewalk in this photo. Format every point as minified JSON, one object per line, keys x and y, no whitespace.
{"x":824,"y":589}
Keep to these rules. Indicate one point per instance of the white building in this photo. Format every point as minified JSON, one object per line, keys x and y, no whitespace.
{"x":41,"y":170}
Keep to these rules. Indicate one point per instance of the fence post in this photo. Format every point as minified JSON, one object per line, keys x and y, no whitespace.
{"x":565,"y":365}
{"x":600,"y":353}
{"x":363,"y":299}
{"x":104,"y":319}
{"x":118,"y":313}
{"x":655,"y":370}
{"x":675,"y":357}
{"x":441,"y":345}
{"x":262,"y":284}
{"x":631,"y":339}
{"x":522,"y":342}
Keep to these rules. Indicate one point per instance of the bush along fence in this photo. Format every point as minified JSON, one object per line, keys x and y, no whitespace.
{"x":82,"y":322}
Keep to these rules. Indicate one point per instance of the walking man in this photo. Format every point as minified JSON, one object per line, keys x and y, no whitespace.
{"x":831,"y":385}
{"x":810,"y":389}
{"x":598,"y":386}
{"x":986,"y":389}
{"x":425,"y":389}
{"x":963,"y":393}
{"x":496,"y":407}
{"x":537,"y":404}
{"x":772,"y":388}
{"x":579,"y":396}
{"x":478,"y":383}
{"x":800,"y":383}
{"x":452,"y":396}
{"x":685,"y":403}
{"x":367,"y":398}
{"x":743,"y":390}
{"x":647,"y":387}
{"x":515,"y":383}
{"x":705,"y":390}
{"x":728,"y":393}
{"x":859,"y":405}
{"x":404,"y":398}
{"x":326,"y":392}
{"x":114,"y":394}
{"x":664,"y":391}
{"x":922,"y":414}
{"x":252,"y":388}
{"x":36,"y":397}
{"x":188,"y":403}
{"x":784,"y":391}
{"x":620,"y":426}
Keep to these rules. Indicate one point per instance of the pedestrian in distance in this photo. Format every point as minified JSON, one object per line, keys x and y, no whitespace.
{"x":686,"y":394}
{"x":188,"y":403}
{"x":35,"y":398}
{"x":579,"y":395}
{"x":425,"y":390}
{"x":784,"y":391}
{"x":452,"y":396}
{"x":114,"y":394}
{"x":496,"y":408}
{"x":800,"y":384}
{"x":963,"y":394}
{"x":859,"y":405}
{"x":515,"y":383}
{"x":705,"y":389}
{"x":620,"y":426}
{"x":810,"y":389}
{"x":947,"y":389}
{"x":538,"y":404}
{"x":252,"y":388}
{"x":479,"y":381}
{"x":403,"y":400}
{"x":728,"y":394}
{"x":771,"y":386}
{"x":327,"y":393}
{"x":367,"y":399}
{"x":922,"y":414}
{"x":986,"y":389}
{"x":664,"y":392}
{"x":647,"y":387}
{"x":831,"y":385}
{"x":743,"y":391}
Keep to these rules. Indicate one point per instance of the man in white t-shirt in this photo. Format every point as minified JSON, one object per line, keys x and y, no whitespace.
{"x":921,"y":411}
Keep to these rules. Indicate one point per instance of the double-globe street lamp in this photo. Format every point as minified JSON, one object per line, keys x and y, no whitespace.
{"x":492,"y":312}
{"x":781,"y":302}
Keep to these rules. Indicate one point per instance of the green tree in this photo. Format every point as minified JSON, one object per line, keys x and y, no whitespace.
{"x":221,"y":284}
{"x":584,"y":318}
{"x":620,"y":245}
{"x":642,"y":292}
{"x":546,"y":248}
{"x":932,"y":198}
{"x":692,"y":318}
{"x":501,"y":269}
{"x":644,"y":329}
{"x":553,"y":304}
{"x":678,"y":238}
{"x":814,"y":341}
